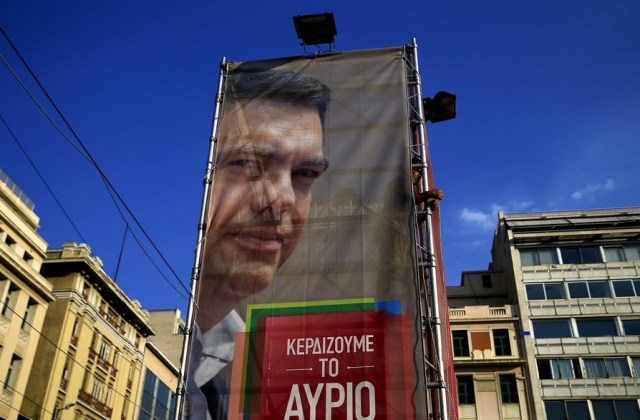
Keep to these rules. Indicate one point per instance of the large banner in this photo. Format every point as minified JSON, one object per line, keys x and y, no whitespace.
{"x":306,"y":297}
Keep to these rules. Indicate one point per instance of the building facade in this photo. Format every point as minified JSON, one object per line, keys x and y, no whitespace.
{"x":161,"y":362}
{"x":574,"y":280}
{"x":90,"y":365}
{"x":169,"y":327}
{"x":158,"y":388}
{"x":488,"y":359}
{"x":24,"y":294}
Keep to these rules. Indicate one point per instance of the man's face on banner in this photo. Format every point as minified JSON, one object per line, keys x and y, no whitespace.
{"x":269,"y":154}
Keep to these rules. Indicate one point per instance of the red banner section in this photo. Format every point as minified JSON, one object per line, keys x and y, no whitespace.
{"x":342,"y":364}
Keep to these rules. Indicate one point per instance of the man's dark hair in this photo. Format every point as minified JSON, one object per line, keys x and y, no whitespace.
{"x":280,"y":86}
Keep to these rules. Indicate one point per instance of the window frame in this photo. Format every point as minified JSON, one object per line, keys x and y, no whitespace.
{"x":536,"y":258}
{"x":506,"y":344}
{"x":581,"y":254}
{"x":545,"y":292}
{"x":465,"y":341}
{"x":509,"y":388}
{"x":582,"y":322}
{"x":470,"y":391}
{"x":539,"y":322}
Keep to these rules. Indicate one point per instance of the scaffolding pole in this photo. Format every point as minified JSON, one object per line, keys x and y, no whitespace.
{"x":202,"y":232}
{"x":432,"y":318}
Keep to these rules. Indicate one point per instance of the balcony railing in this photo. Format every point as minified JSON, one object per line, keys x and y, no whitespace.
{"x":101,"y":407}
{"x":590,"y":387}
{"x":102,"y":363}
{"x":581,"y":271}
{"x":482,"y":312}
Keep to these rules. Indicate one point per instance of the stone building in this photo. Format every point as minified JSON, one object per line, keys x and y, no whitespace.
{"x":24,"y":294}
{"x":488,"y":358}
{"x":572,"y":281}
{"x":90,"y":364}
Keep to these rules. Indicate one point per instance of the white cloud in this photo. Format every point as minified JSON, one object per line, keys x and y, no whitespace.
{"x":590,"y":189}
{"x":487,"y":220}
{"x":484,"y":220}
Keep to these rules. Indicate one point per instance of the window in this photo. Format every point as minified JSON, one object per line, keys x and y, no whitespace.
{"x":556,"y":410}
{"x":631,"y":326}
{"x":466,"y":394}
{"x":609,"y":367}
{"x":545,"y":291}
{"x":615,"y":409}
{"x":551,"y":328}
{"x":29,"y":314}
{"x":157,"y":399}
{"x":614,"y":253}
{"x":632,"y":252}
{"x":535,"y":292}
{"x":626,"y":288}
{"x":162,"y":401}
{"x":501,"y":343}
{"x":635,"y":362}
{"x":621,"y":253}
{"x":460,"y":343}
{"x":12,"y":373}
{"x":9,"y":301}
{"x":74,"y":331}
{"x":538,"y":256}
{"x":486,"y":281}
{"x":567,"y":410}
{"x":9,"y":241}
{"x":105,"y":347}
{"x":580,"y":255}
{"x":596,"y":327}
{"x":558,"y":368}
{"x":508,"y":388}
{"x":589,"y":289}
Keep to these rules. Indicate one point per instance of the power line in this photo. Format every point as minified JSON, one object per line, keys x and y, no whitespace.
{"x":35,"y":168}
{"x":87,"y":155}
{"x":70,"y":357}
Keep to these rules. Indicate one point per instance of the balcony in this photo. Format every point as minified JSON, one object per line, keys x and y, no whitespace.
{"x":590,"y":387}
{"x":102,"y":363}
{"x":482,"y":313}
{"x":587,"y":345}
{"x":95,"y":403}
{"x":599,"y":306}
{"x":581,"y":271}
{"x":6,"y":395}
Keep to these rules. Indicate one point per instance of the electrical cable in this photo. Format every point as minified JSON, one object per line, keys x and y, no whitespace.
{"x":124,"y":238}
{"x":72,"y":358}
{"x":119,"y":211}
{"x":35,"y":168}
{"x":86,"y":154}
{"x":13,"y":390}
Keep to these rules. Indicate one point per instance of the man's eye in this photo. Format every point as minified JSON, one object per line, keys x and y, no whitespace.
{"x":248,"y":167}
{"x":306,"y":173}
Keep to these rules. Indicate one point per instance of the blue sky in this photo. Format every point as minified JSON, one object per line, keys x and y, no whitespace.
{"x":548,"y":105}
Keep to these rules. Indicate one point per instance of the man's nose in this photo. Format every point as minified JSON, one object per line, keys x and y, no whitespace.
{"x":276,"y":196}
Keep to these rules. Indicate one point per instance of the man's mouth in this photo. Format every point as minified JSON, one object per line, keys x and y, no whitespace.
{"x":261,"y":239}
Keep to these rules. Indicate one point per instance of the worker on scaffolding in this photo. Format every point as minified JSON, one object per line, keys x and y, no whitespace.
{"x":394,"y":237}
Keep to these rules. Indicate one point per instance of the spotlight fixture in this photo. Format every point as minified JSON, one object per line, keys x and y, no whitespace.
{"x":441,"y":108}
{"x":315,"y":29}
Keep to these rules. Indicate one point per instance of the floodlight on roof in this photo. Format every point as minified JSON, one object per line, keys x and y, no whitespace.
{"x":315,"y":29}
{"x":441,"y":108}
